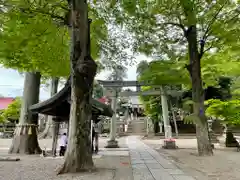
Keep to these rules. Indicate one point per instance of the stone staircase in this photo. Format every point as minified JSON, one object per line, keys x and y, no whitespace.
{"x":136,"y":127}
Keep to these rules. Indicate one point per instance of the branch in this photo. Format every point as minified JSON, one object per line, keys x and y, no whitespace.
{"x":233,"y":19}
{"x":27,"y":10}
{"x":208,"y":48}
{"x":207,"y":32}
{"x":211,"y":22}
{"x":201,"y":52}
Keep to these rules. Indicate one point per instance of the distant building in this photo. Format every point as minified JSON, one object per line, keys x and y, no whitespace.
{"x":5,"y":101}
{"x":135,"y":107}
{"x":135,"y":102}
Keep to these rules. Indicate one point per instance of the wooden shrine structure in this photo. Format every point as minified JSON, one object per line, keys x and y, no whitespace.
{"x":59,"y":106}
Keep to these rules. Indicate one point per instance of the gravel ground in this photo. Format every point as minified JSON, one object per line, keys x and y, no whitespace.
{"x":39,"y":168}
{"x":110,"y":165}
{"x":224,"y":165}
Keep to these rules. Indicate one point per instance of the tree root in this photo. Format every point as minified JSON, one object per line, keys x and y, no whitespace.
{"x":64,"y":169}
{"x":9,"y":159}
{"x":25,"y":144}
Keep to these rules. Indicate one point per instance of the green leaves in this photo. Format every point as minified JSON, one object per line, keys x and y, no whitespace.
{"x":34,"y":44}
{"x":159,"y":26}
{"x":228,"y":111}
{"x":166,"y":72}
{"x":12,"y":113}
{"x":97,"y":90}
{"x":34,"y":37}
{"x":152,"y":107}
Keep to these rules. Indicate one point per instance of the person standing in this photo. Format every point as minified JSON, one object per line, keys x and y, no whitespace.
{"x":96,"y":135}
{"x":93,"y":136}
{"x":63,"y":144}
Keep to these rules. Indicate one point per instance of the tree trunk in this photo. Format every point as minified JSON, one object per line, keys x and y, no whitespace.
{"x":175,"y":123}
{"x":25,"y":139}
{"x":55,"y":137}
{"x":48,"y":131}
{"x":174,"y":119}
{"x":204,"y":145}
{"x":78,"y":156}
{"x":41,"y":124}
{"x":156,"y":127}
{"x":230,"y":140}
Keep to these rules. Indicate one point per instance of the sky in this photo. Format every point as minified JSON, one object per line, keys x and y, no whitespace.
{"x":11,"y":82}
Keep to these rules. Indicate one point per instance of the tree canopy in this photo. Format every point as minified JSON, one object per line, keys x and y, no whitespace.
{"x":34,"y":44}
{"x":43,"y":44}
{"x":159,"y":26}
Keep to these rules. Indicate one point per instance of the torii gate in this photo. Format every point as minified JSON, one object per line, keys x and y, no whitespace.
{"x":158,"y":90}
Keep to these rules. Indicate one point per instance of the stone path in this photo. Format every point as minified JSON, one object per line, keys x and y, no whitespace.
{"x":148,"y":164}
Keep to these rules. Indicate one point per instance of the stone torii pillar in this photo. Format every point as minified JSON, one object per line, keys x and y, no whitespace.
{"x":113,"y":143}
{"x":169,"y":143}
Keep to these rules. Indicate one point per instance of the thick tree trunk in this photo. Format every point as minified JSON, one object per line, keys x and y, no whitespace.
{"x":55,"y":137}
{"x":203,"y":141}
{"x":48,"y":131}
{"x":78,"y":156}
{"x":25,"y":139}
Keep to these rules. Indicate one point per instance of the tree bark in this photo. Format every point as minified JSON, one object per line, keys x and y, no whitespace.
{"x":55,"y":137}
{"x":25,"y":139}
{"x":78,"y":156}
{"x":41,"y":123}
{"x":174,"y":118}
{"x":48,"y":131}
{"x":156,"y":127}
{"x":203,"y":141}
{"x":194,"y":68}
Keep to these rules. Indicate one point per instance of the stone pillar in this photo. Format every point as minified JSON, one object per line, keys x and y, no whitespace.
{"x":160,"y":125}
{"x":138,"y":88}
{"x":56,"y":126}
{"x":165,"y":114}
{"x":147,"y":126}
{"x":169,"y":143}
{"x":112,"y":143}
{"x":41,"y":121}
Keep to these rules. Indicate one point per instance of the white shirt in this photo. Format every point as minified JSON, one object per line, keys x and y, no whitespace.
{"x":63,"y":141}
{"x":96,"y":127}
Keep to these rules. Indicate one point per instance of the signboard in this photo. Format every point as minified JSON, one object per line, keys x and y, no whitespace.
{"x":124,"y":83}
{"x":150,"y":93}
{"x":111,"y":93}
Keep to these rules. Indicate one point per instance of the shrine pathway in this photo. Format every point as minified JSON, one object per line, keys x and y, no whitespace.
{"x":148,"y":164}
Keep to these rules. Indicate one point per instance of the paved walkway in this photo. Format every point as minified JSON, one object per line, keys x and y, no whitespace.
{"x":148,"y":164}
